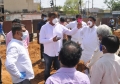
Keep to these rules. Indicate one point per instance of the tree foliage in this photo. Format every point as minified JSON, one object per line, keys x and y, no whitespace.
{"x":113,"y":4}
{"x":71,"y":7}
{"x":116,"y":6}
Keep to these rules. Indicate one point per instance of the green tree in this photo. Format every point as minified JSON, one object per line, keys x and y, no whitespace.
{"x":116,"y":6}
{"x":57,"y":8}
{"x":71,"y":7}
{"x":112,"y":4}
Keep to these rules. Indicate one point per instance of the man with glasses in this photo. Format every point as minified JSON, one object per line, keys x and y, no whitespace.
{"x":51,"y":36}
{"x":9,"y":35}
{"x":18,"y":62}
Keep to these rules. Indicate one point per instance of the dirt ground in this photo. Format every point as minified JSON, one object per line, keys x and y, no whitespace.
{"x":34,"y":50}
{"x":38,"y":66}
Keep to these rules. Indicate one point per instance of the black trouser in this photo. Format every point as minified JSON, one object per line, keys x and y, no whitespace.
{"x":48,"y":62}
{"x":26,"y":81}
{"x":41,"y":50}
{"x":0,"y":71}
{"x":64,"y":41}
{"x":111,"y":26}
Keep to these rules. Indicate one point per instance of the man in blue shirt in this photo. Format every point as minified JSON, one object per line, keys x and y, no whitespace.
{"x":1,"y":29}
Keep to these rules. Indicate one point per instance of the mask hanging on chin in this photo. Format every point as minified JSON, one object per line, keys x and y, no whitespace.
{"x":54,"y":21}
{"x":24,"y":35}
{"x":89,"y":23}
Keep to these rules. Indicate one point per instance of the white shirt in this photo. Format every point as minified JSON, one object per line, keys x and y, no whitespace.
{"x":76,"y":37}
{"x":18,"y":60}
{"x":106,"y":70}
{"x":48,"y":32}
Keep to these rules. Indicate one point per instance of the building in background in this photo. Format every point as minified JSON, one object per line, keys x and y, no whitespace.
{"x":16,"y":6}
{"x":2,"y":9}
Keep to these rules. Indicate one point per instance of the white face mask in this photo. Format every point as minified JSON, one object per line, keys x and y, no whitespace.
{"x":55,"y":21}
{"x":24,"y":35}
{"x":89,"y":23}
{"x":45,"y":19}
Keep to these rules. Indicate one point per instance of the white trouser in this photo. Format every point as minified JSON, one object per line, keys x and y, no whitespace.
{"x":85,"y":57}
{"x":76,"y":40}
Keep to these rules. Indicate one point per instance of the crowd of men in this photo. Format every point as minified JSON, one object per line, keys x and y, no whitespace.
{"x":95,"y":45}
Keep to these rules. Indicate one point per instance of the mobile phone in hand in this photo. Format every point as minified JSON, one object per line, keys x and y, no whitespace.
{"x":58,"y":38}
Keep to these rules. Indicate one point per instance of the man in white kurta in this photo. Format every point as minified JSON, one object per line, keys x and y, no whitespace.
{"x":102,"y":31}
{"x":89,"y":40}
{"x":106,"y":69}
{"x":76,"y":37}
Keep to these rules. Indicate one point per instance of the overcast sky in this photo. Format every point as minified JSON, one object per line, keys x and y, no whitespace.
{"x":97,"y":3}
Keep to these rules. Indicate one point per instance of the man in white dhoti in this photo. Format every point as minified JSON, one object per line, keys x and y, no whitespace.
{"x":89,"y":39}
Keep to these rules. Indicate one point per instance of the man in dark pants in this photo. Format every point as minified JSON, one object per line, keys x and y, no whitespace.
{"x":40,"y":24}
{"x":51,"y":35}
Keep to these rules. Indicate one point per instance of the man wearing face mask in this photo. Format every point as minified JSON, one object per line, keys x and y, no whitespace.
{"x":18,"y":62}
{"x":40,"y":24}
{"x":90,"y":40}
{"x":51,"y":36}
{"x":9,"y":35}
{"x":106,"y":69}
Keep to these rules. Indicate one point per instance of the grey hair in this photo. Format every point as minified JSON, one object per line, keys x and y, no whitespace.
{"x":104,"y":30}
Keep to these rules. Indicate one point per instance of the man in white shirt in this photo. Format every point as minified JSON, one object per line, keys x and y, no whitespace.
{"x":18,"y":63}
{"x":51,"y":36}
{"x":106,"y":69}
{"x":76,"y":37}
{"x":90,"y":40}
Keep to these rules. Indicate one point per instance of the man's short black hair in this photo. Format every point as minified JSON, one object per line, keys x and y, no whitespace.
{"x":43,"y":15}
{"x":62,"y":19}
{"x":111,"y":43}
{"x":52,"y":14}
{"x":92,"y":18}
{"x":16,"y":21}
{"x":70,"y":54}
{"x":77,"y":16}
{"x":1,"y":20}
{"x":16,"y":27}
{"x":73,"y":19}
{"x":23,"y":25}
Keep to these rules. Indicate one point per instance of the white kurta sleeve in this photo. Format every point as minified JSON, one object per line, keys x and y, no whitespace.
{"x":11,"y":59}
{"x":97,"y":73}
{"x":42,"y":38}
{"x":95,"y":57}
{"x":70,"y":32}
{"x":69,"y":25}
